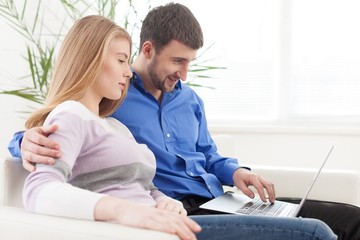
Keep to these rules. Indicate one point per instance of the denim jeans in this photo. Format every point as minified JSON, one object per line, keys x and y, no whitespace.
{"x":226,"y":227}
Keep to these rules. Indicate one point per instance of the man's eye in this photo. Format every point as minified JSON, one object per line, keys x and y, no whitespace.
{"x":121,"y":61}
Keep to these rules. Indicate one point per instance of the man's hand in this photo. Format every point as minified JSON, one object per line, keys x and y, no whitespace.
{"x":244,"y":178}
{"x":36,"y":147}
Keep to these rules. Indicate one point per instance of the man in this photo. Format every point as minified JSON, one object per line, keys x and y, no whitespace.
{"x":168,"y":116}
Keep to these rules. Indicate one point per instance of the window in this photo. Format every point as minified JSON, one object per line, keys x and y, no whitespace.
{"x":243,"y":41}
{"x":285,"y":60}
{"x":325,"y":58}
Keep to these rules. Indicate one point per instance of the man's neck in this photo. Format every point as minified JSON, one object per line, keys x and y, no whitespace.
{"x":138,"y":67}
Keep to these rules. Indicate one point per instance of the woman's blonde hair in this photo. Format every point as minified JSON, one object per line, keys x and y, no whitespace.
{"x":79,"y":64}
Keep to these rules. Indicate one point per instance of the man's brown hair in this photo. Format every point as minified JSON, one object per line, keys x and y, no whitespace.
{"x":172,"y":21}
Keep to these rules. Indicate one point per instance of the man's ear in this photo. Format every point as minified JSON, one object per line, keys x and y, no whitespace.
{"x":148,"y":49}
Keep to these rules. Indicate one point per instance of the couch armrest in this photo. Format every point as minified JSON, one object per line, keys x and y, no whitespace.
{"x":17,"y":224}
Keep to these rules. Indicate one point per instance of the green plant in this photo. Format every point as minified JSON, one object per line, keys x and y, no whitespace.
{"x":42,"y":41}
{"x":199,"y":67}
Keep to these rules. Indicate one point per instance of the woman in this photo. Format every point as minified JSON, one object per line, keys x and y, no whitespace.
{"x":103,"y":173}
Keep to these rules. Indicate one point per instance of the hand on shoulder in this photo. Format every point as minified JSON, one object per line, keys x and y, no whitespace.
{"x":36,"y":147}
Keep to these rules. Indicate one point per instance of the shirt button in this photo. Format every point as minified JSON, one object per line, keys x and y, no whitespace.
{"x":209,"y":186}
{"x":191,"y":173}
{"x":168,"y":135}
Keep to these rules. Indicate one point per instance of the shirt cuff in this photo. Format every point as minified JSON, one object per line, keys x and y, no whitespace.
{"x":65,"y":200}
{"x":228,"y":172}
{"x":14,"y":145}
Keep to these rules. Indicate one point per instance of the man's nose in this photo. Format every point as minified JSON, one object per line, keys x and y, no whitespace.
{"x":184,"y":72}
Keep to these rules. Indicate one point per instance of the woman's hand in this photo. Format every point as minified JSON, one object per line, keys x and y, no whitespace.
{"x":141,"y":216}
{"x":171,"y":205}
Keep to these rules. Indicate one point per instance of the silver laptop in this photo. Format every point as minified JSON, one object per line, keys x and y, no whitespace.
{"x":237,"y":203}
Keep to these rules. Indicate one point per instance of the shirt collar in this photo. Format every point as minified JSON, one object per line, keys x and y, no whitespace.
{"x":136,"y":80}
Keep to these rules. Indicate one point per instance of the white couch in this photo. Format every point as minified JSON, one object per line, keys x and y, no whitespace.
{"x":16,"y":223}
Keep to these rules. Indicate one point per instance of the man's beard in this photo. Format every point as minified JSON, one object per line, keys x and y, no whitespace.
{"x":156,"y":81}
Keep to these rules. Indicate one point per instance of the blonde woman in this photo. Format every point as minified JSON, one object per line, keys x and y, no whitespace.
{"x":103,"y":174}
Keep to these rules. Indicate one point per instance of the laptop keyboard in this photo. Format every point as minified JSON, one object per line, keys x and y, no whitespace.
{"x":258,"y":207}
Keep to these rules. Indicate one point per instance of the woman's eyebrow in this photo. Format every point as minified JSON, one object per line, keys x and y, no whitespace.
{"x":122,"y":53}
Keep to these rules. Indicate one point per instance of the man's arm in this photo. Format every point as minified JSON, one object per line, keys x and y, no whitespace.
{"x":33,"y":146}
{"x":14,"y":145}
{"x":227,"y":169}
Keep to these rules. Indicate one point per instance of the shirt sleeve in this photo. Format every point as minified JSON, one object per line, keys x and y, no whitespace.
{"x":46,"y":190}
{"x":46,"y":195}
{"x":222,"y":167}
{"x":14,"y":145}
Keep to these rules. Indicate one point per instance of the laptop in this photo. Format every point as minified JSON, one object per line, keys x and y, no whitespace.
{"x":238,"y":203}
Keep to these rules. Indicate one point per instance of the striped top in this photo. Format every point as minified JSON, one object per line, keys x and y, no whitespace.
{"x":99,"y":157}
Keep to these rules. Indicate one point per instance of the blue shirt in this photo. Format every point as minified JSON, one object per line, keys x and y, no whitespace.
{"x":177,"y":133}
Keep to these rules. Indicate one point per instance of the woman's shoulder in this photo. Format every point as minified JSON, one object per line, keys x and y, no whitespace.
{"x":70,"y":106}
{"x":73,"y":108}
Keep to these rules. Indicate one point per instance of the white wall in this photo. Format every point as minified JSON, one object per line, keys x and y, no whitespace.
{"x":11,"y":121}
{"x":11,"y":67}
